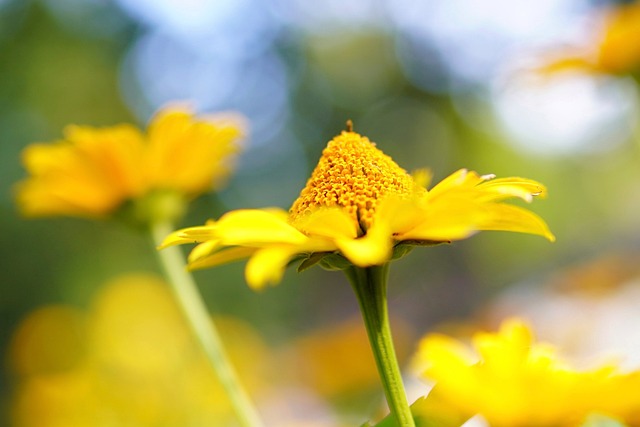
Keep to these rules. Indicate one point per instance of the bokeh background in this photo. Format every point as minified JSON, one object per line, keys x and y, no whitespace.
{"x":442,"y":84}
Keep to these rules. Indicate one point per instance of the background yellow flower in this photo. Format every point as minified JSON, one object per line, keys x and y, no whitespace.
{"x":129,"y":360}
{"x":619,"y":50}
{"x":614,"y":49}
{"x":94,"y":171}
{"x":513,"y":381}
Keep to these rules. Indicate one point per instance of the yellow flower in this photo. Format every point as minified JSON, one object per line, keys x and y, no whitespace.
{"x":358,"y":207}
{"x":619,"y":50}
{"x":93,"y":171}
{"x":329,"y":364}
{"x":130,"y":360}
{"x":615,"y":50}
{"x":513,"y":381}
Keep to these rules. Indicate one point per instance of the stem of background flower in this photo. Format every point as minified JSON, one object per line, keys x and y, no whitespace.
{"x":190,"y":300}
{"x":370,"y":286}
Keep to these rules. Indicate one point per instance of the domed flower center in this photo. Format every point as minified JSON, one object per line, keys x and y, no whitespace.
{"x":354,"y":175}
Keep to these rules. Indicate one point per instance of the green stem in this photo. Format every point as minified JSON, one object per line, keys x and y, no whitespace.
{"x":370,"y":286}
{"x":190,"y":300}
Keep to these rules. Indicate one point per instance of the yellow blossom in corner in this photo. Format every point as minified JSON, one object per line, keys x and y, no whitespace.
{"x":513,"y":381}
{"x":619,"y":50}
{"x":92,"y":171}
{"x":359,"y":207}
{"x":613,"y":50}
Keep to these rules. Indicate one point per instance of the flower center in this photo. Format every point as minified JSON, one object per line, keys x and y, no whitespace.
{"x":354,"y":175}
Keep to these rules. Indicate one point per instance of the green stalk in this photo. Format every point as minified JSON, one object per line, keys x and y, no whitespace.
{"x":370,"y":286}
{"x":190,"y":300}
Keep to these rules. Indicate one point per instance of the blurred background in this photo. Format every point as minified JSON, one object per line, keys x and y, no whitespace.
{"x":490,"y":85}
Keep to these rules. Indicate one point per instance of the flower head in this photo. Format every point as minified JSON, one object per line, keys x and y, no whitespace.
{"x":513,"y":381}
{"x":354,"y":175}
{"x":93,"y":171}
{"x":358,"y":208}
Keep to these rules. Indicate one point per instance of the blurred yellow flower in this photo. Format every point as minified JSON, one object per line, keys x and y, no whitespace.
{"x":131,"y":361}
{"x":359,"y":207}
{"x":614,"y":50}
{"x":619,"y":49}
{"x":513,"y":381}
{"x":94,"y":171}
{"x":336,"y":360}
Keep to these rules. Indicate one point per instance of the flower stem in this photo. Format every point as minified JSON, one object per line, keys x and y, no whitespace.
{"x":190,"y":300}
{"x":370,"y":286}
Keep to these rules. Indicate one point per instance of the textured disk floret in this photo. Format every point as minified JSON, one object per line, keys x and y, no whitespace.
{"x":353,"y":174}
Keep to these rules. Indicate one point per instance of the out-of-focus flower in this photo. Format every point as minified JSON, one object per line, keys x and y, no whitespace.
{"x":614,"y":50}
{"x":359,"y":207}
{"x":619,"y":50}
{"x":93,"y":172}
{"x":138,"y":363}
{"x":336,"y":360}
{"x":589,"y":306}
{"x":513,"y":381}
{"x":50,"y":340}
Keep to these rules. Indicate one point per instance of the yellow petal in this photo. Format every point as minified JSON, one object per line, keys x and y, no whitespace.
{"x":253,"y":227}
{"x":267,"y":266}
{"x":328,"y":222}
{"x":203,"y":250}
{"x":571,"y":60}
{"x":187,"y":153}
{"x":422,"y":177}
{"x":374,"y":248}
{"x":189,"y":235}
{"x":89,"y":174}
{"x":502,"y":188}
{"x":40,"y":158}
{"x":400,"y":215}
{"x":448,"y":218}
{"x":461,"y":178}
{"x":112,"y":154}
{"x":505,"y":217}
{"x":508,"y":349}
{"x":443,"y":357}
{"x":222,"y":257}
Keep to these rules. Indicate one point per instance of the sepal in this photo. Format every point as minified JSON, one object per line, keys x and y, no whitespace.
{"x":334,"y":261}
{"x":310,"y":261}
{"x":403,"y":248}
